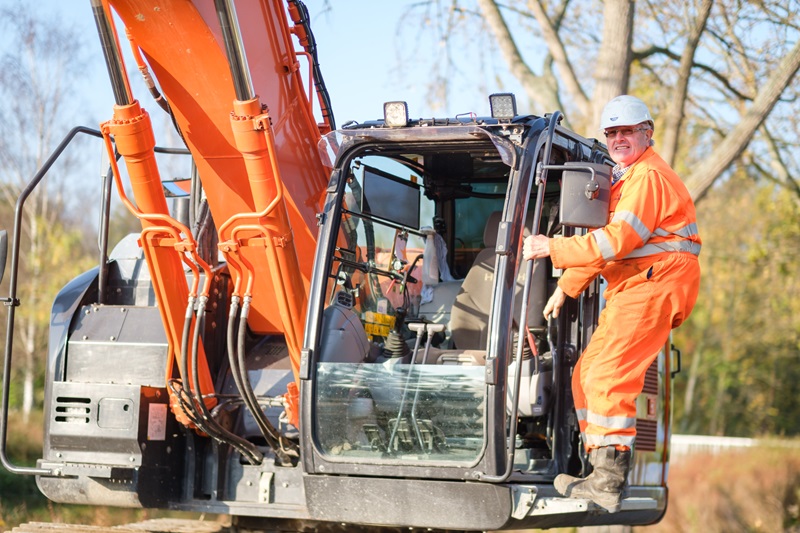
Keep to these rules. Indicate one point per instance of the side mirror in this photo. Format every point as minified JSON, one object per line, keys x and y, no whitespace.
{"x":585,"y":194}
{"x":3,"y":252}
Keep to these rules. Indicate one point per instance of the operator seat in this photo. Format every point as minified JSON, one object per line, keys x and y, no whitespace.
{"x":470,"y":314}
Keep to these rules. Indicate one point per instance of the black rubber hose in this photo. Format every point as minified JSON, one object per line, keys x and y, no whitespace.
{"x":245,"y":447}
{"x":271,"y":435}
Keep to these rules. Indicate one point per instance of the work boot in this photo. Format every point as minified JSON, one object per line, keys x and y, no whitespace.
{"x":605,"y":485}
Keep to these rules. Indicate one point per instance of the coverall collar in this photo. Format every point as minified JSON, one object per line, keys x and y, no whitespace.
{"x":647,"y":154}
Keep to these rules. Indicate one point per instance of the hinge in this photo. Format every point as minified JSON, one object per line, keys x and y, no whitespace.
{"x":503,"y":246}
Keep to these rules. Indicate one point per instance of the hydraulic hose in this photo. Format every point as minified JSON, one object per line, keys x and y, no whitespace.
{"x":245,"y":447}
{"x":236,"y":371}
{"x":311,"y":47}
{"x":188,"y":407}
{"x":271,"y":435}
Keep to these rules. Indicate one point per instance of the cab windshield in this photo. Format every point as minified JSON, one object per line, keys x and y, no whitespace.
{"x":391,"y":383}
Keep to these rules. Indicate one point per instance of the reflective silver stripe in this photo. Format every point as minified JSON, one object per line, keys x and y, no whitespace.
{"x":687,"y":231}
{"x":609,"y":440}
{"x":610,"y":422}
{"x":634,"y":222}
{"x":604,"y":245}
{"x":661,"y":247}
{"x":581,"y":414}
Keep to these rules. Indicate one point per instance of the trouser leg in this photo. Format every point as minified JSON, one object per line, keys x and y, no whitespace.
{"x":579,"y":373}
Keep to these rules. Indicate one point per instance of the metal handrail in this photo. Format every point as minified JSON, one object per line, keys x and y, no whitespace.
{"x":541,"y":181}
{"x":12,"y":301}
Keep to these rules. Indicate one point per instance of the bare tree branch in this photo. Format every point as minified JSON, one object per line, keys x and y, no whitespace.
{"x":675,"y":110}
{"x":559,"y":53}
{"x":782,"y":174}
{"x":653,"y":50}
{"x":704,"y":175}
{"x":614,"y":59}
{"x":536,"y":87}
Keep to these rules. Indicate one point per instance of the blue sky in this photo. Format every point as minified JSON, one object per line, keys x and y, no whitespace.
{"x":358,"y":52}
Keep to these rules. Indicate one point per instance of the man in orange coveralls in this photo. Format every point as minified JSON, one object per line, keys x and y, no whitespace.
{"x":648,"y":255}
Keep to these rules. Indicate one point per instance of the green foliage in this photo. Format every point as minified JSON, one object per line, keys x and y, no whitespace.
{"x":742,"y":343}
{"x":21,"y":501}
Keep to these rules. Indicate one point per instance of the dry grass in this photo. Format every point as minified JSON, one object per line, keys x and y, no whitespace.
{"x":752,"y":490}
{"x":21,"y":501}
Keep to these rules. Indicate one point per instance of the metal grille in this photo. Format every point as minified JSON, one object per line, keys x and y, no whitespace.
{"x":647,"y":430}
{"x":71,"y":410}
{"x":651,"y":379}
{"x":646,"y":434}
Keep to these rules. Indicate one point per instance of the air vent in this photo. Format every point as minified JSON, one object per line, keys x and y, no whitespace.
{"x":647,"y":430}
{"x":646,"y":435}
{"x":345,"y":299}
{"x":651,"y":379}
{"x":72,"y":410}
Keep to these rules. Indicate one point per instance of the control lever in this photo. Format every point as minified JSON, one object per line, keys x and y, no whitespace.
{"x":419,"y":329}
{"x":431,"y":329}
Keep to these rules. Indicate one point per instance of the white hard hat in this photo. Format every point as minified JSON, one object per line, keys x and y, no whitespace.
{"x":625,"y":110}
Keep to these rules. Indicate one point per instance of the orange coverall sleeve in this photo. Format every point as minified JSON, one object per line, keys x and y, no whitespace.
{"x":575,"y":280}
{"x":634,"y":219}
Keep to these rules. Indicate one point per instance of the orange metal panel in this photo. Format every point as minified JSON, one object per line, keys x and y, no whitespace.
{"x":183,"y":45}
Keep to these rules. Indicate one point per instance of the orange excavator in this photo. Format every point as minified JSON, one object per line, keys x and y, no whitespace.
{"x":326,"y":328}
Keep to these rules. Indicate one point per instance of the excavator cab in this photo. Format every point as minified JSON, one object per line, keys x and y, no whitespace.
{"x":426,"y":355}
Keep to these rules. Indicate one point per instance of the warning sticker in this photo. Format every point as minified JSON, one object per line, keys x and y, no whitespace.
{"x":157,"y":421}
{"x":378,"y":324}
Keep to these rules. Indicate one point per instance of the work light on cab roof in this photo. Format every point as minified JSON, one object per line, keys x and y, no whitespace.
{"x":395,"y":114}
{"x":503,"y":106}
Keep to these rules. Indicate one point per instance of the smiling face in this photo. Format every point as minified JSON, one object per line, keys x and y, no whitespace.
{"x":627,"y":143}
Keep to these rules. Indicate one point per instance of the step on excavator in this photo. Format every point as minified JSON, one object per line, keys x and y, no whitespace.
{"x":323,"y":328}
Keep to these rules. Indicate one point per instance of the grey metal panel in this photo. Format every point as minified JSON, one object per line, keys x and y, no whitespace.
{"x":408,"y":502}
{"x":112,"y":344}
{"x":118,"y":440}
{"x":64,"y":307}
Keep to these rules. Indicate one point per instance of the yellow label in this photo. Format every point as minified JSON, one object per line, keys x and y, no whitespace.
{"x":378,"y":323}
{"x":377,"y":329}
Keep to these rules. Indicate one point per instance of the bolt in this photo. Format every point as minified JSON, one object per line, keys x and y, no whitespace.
{"x":112,"y":338}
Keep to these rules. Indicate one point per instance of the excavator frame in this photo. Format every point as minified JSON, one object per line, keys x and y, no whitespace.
{"x":302,"y":351}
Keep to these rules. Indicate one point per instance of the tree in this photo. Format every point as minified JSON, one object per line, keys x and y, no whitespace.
{"x":743,"y":338}
{"x":717,"y":76}
{"x":712,"y":72}
{"x":39,"y":68}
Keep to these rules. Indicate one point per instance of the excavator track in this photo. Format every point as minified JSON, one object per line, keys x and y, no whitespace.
{"x":158,"y":525}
